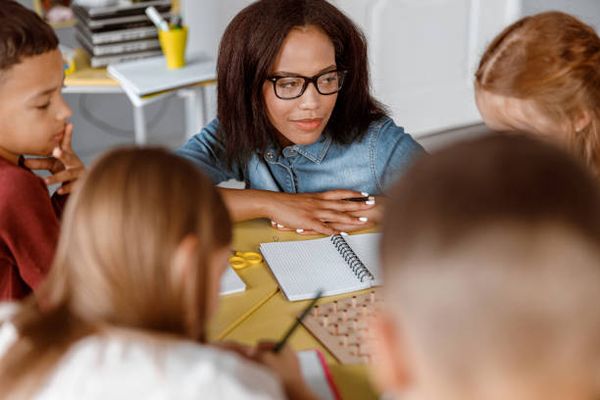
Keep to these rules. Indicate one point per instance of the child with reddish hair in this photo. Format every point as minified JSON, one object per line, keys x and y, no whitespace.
{"x":542,"y":75}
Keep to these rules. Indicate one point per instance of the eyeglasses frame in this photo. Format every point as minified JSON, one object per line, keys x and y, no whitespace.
{"x":273,"y":79}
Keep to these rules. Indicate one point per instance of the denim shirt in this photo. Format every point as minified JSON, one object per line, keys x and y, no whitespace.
{"x":369,"y":164}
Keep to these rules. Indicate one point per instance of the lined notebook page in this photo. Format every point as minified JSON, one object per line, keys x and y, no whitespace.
{"x":303,"y":267}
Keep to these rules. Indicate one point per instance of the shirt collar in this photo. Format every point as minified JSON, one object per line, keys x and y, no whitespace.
{"x":316,"y":151}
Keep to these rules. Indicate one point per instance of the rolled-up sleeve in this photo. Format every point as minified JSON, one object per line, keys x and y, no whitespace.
{"x":206,"y":150}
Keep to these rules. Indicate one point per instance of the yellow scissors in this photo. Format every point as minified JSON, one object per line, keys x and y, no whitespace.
{"x":243,"y":259}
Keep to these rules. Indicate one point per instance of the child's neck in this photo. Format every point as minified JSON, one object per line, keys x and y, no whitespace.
{"x":9,"y":156}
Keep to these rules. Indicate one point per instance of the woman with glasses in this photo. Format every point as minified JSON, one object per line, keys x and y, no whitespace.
{"x":297,"y":123}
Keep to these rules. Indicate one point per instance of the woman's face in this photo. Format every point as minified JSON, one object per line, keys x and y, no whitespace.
{"x":503,"y":113}
{"x":306,"y":51}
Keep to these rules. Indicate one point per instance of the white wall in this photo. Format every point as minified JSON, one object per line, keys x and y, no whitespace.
{"x":587,"y":10}
{"x":210,"y":17}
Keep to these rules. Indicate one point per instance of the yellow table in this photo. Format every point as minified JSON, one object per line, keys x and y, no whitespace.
{"x":260,"y":285}
{"x":235,"y":308}
{"x":273,"y":317}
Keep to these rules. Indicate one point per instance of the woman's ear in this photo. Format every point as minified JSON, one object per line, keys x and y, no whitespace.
{"x":184,"y":259}
{"x":392,"y":367}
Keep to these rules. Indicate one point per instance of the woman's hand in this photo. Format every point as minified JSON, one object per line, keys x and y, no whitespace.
{"x":306,"y":213}
{"x":64,"y":164}
{"x":374,"y":216}
{"x":325,"y":213}
{"x":368,"y":217}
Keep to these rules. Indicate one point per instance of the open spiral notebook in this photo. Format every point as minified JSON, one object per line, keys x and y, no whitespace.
{"x":336,"y":264}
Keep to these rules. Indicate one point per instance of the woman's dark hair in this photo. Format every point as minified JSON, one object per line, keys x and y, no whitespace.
{"x":247,"y":52}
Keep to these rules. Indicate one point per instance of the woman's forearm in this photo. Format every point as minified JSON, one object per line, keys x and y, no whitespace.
{"x":245,"y":204}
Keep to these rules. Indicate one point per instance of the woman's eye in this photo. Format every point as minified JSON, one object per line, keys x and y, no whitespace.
{"x":329,"y":79}
{"x":43,"y":106}
{"x":288,"y":84}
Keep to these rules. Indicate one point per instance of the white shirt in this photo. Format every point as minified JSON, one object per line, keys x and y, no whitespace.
{"x":140,"y":366}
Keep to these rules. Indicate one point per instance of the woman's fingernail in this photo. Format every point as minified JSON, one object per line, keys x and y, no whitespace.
{"x":370,"y":202}
{"x":364,"y":194}
{"x":299,"y":230}
{"x":363,"y":219}
{"x":280,"y":226}
{"x":344,"y":233}
{"x":273,"y":223}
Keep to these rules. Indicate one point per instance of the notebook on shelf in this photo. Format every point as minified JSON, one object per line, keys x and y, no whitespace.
{"x":337,"y":264}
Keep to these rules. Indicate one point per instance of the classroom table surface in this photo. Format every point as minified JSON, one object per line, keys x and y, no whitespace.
{"x":270,"y":319}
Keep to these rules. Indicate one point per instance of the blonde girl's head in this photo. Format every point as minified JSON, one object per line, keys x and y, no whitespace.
{"x":144,"y":240}
{"x":542,"y":75}
{"x":122,"y":238}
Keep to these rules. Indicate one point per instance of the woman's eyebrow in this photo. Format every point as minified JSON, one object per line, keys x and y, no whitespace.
{"x":285,"y":73}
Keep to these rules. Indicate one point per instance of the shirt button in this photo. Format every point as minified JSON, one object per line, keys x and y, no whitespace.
{"x":290,"y":152}
{"x":269,"y":155}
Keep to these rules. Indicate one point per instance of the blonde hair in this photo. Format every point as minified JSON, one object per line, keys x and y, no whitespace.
{"x":114,"y":260}
{"x":553,"y":59}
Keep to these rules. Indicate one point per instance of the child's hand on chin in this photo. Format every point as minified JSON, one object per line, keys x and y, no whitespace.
{"x":65,"y":165}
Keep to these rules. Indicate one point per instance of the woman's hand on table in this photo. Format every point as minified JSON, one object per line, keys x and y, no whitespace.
{"x":370,"y":217}
{"x":319,"y":213}
{"x":374,"y":216}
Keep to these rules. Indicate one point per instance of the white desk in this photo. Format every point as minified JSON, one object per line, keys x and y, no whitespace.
{"x":87,"y":80}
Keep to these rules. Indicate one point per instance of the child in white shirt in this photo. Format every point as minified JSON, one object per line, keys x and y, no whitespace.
{"x":123,"y":313}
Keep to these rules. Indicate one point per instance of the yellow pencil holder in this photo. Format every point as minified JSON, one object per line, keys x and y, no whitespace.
{"x":173,"y":44}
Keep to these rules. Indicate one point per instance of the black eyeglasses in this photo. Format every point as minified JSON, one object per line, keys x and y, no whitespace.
{"x":292,"y":87}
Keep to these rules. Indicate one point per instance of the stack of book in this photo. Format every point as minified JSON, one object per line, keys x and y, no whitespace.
{"x":120,"y":32}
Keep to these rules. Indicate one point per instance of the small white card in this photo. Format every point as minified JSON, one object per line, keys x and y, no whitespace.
{"x":231,"y":282}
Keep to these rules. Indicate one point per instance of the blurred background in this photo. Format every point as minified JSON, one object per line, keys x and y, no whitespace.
{"x":423,"y":54}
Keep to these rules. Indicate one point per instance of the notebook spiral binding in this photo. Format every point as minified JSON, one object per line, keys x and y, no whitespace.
{"x":356,"y":265}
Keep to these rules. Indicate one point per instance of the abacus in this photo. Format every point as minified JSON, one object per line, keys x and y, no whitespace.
{"x":342,"y":326}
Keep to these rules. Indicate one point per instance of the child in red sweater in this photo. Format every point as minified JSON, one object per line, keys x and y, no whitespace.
{"x":33,"y":121}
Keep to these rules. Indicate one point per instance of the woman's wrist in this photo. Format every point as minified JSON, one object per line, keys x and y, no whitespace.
{"x":264,"y":203}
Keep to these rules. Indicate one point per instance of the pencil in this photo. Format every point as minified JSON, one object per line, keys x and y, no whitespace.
{"x":357,"y":199}
{"x":296,"y":323}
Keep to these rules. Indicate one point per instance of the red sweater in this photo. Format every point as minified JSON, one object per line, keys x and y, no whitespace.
{"x":29,"y":228}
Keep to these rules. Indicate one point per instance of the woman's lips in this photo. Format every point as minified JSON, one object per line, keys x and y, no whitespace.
{"x":308,"y":124}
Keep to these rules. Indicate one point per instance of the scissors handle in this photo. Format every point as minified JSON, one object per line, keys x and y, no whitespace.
{"x":251,"y":257}
{"x":243,"y":259}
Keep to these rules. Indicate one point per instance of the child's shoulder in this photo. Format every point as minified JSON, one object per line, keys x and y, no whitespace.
{"x":180,"y":366}
{"x":17,"y":183}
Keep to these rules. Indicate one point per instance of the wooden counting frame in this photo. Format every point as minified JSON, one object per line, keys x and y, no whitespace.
{"x":342,"y":326}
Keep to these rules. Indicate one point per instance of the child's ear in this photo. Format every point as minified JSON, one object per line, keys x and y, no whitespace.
{"x":582,"y":120}
{"x":392,"y":367}
{"x":184,"y":259}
